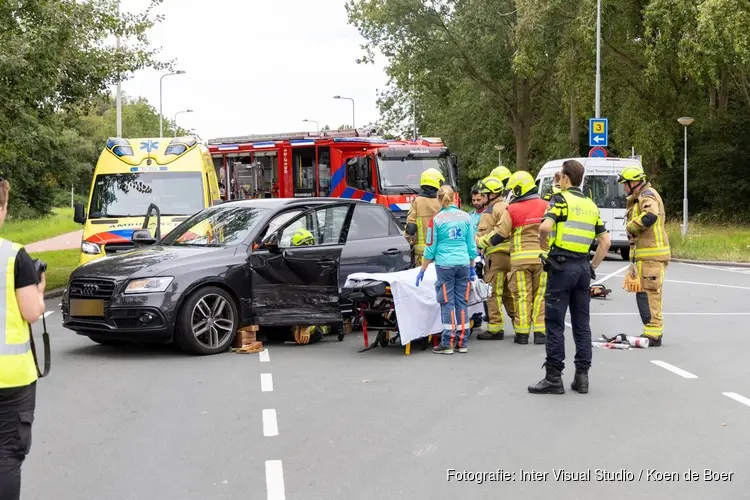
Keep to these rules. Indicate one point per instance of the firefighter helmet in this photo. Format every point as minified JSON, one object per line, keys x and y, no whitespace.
{"x":634,"y":174}
{"x":521,"y":183}
{"x":302,"y":237}
{"x":432,"y":177}
{"x":491,"y":185}
{"x":501,"y":173}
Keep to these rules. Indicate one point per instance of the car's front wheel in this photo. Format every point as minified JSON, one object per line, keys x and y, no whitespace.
{"x":207,"y":321}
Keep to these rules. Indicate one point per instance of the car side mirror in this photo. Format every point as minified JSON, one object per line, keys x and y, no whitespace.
{"x":143,"y":237}
{"x":79,"y":214}
{"x":271,"y":242}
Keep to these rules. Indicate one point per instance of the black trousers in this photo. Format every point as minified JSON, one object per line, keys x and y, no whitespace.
{"x":568,"y":287}
{"x":16,"y":417}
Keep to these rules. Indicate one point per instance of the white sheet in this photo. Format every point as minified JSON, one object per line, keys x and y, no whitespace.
{"x":417,"y":308}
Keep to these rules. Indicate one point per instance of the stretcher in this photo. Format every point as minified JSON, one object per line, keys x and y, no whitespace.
{"x":378,"y":298}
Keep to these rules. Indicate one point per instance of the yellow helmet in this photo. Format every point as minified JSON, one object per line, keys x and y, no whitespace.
{"x":491,"y":185}
{"x":432,"y":177}
{"x":521,"y":183}
{"x":302,"y":237}
{"x":634,"y":174}
{"x":501,"y":173}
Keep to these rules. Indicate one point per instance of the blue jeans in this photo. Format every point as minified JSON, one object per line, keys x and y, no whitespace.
{"x":452,"y":289}
{"x":568,"y":288}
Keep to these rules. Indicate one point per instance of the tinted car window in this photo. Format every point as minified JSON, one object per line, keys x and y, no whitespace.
{"x":369,"y":222}
{"x":546,"y":186}
{"x":605,"y":191}
{"x":218,"y":226}
{"x":325,"y":224}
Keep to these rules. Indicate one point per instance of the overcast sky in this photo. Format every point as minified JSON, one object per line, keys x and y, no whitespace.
{"x":259,"y":66}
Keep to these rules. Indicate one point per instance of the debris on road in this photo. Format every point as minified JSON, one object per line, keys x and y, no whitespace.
{"x":246,"y":341}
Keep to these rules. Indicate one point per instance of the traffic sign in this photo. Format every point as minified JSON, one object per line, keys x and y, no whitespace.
{"x":598,"y":152}
{"x":598,"y":132}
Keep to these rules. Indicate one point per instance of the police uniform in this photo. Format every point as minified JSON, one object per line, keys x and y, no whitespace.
{"x":424,"y":207}
{"x":577,"y":224}
{"x":18,"y":371}
{"x":646,"y":218}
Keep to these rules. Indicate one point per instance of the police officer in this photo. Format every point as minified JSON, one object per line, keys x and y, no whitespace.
{"x":645,"y":227}
{"x":571,"y":223}
{"x":21,"y":304}
{"x":497,"y":256}
{"x":424,"y":207}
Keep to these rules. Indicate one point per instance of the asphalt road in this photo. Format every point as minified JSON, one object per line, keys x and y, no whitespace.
{"x":325,"y":422}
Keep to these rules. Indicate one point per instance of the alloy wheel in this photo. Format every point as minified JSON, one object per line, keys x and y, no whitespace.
{"x":212,"y":321}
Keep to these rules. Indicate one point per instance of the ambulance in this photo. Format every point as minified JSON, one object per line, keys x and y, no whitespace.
{"x":175,"y":174}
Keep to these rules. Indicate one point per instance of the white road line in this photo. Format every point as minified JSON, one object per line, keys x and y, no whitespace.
{"x":674,"y":369}
{"x":737,"y":270}
{"x":708,"y":284}
{"x":266,"y":382}
{"x":264,"y":356}
{"x":611,"y":275}
{"x":270,"y":426}
{"x":275,"y":480}
{"x":737,"y":397}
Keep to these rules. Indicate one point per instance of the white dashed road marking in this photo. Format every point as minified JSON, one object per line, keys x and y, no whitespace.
{"x":266,"y":382}
{"x":270,"y":425}
{"x":737,"y":397}
{"x":611,"y":275}
{"x":674,"y":369}
{"x":708,"y":284}
{"x":264,"y":356}
{"x":275,"y":480}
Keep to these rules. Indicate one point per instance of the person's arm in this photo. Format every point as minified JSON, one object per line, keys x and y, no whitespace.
{"x":602,"y":238}
{"x":410,"y":231}
{"x":649,"y":214}
{"x":471,"y":244}
{"x":545,"y":229}
{"x":431,"y":249}
{"x":29,"y":289}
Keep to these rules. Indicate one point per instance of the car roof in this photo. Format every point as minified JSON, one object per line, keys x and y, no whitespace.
{"x":279,"y":202}
{"x":596,"y":163}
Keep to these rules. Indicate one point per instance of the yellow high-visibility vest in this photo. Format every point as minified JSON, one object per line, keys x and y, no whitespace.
{"x":578,"y":232}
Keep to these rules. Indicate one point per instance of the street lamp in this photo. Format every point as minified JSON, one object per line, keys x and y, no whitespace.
{"x":161,"y":126}
{"x":175,"y":119}
{"x":598,"y":90}
{"x":685,"y":121}
{"x":317,"y":125}
{"x":354,"y":126}
{"x":500,"y":155}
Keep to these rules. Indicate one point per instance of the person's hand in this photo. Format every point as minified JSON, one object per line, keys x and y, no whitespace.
{"x":420,"y":276}
{"x":472,"y":273}
{"x":42,"y":282}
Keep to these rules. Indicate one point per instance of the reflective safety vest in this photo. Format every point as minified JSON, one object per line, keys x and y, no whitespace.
{"x":17,"y":366}
{"x":653,"y":243}
{"x":526,"y":217}
{"x":578,"y":232}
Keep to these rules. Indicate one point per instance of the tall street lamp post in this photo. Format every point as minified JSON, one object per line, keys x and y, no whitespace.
{"x":685,"y":121}
{"x":354,"y":126}
{"x":161,"y":117}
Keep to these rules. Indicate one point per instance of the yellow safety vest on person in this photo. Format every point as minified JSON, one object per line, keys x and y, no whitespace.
{"x":17,"y":365}
{"x":578,"y":231}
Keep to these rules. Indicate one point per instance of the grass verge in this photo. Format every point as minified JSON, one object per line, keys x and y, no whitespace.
{"x":60,"y":263}
{"x":33,"y":230}
{"x":710,"y":242}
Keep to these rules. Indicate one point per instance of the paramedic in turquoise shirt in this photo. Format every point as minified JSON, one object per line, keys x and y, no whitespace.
{"x":451,"y":246}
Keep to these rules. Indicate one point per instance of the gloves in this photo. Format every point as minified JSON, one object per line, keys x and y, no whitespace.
{"x":420,"y":276}
{"x":632,"y":281}
{"x":472,"y":273}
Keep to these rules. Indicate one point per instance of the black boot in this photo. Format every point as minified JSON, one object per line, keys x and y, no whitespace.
{"x":491,"y":336}
{"x":581,"y":381}
{"x":540,"y":338}
{"x":521,"y":338}
{"x":551,"y":384}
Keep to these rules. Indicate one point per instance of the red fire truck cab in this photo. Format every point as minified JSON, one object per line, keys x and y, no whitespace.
{"x":341,"y":164}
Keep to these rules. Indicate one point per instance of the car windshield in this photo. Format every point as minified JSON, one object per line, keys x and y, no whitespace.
{"x":605,"y":191}
{"x":129,"y":195}
{"x":403,"y":174}
{"x":217,"y":226}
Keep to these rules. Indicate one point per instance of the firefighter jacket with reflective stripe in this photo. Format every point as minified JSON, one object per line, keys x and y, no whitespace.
{"x":521,"y":224}
{"x":450,"y":238}
{"x":421,"y":212}
{"x":489,"y":224}
{"x":17,"y":366}
{"x":577,"y":222}
{"x":651,"y":241}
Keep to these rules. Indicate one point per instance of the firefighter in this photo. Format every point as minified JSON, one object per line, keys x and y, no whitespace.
{"x":572,"y":222}
{"x":422,"y":210}
{"x":650,"y":247}
{"x":497,"y":257}
{"x":312,"y":333}
{"x":520,"y":224}
{"x":555,"y":186}
{"x":502,"y":173}
{"x":21,"y":304}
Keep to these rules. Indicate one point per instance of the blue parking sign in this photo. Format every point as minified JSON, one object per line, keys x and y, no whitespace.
{"x":598,"y":132}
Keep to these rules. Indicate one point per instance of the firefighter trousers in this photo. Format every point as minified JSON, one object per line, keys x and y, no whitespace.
{"x":528,"y":283}
{"x":649,"y":301}
{"x":496,"y":273}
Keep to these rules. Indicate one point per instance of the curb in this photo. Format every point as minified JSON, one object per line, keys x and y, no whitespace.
{"x":53,"y":294}
{"x":713,"y":263}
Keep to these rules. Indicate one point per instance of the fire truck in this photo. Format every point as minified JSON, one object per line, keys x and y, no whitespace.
{"x":340,"y":164}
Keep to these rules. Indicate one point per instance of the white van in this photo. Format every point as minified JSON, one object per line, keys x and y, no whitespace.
{"x":599,"y":184}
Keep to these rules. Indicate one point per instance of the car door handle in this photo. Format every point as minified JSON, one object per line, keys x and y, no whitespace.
{"x":327,"y":263}
{"x":619,"y":218}
{"x":391,"y":251}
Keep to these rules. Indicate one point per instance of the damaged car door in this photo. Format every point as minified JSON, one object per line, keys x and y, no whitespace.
{"x":295,"y":270}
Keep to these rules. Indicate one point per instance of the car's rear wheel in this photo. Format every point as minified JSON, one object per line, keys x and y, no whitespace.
{"x":625,"y":253}
{"x":105,"y":340}
{"x":207,"y":321}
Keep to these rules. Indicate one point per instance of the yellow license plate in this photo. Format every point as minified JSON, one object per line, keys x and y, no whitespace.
{"x":87,"y":307}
